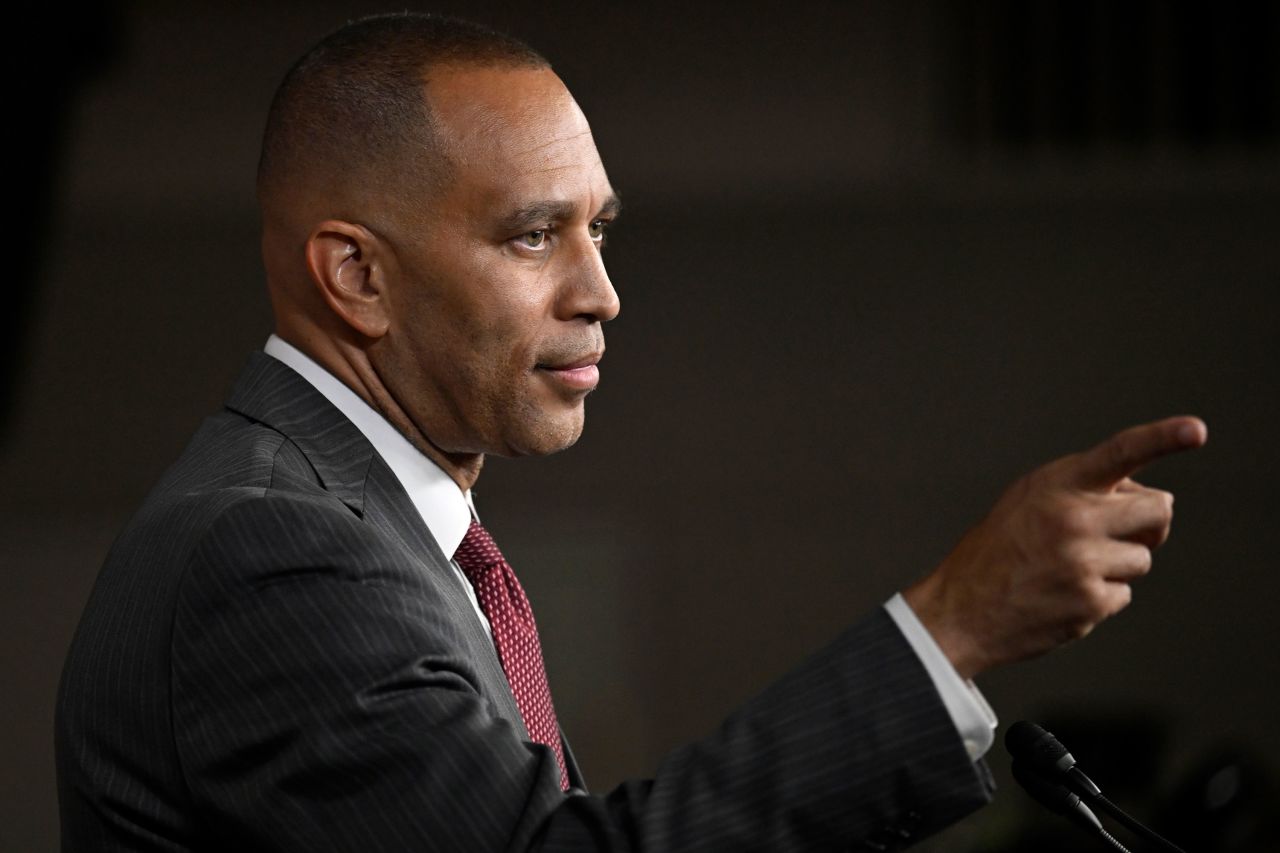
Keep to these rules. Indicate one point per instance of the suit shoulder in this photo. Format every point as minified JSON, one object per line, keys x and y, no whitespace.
{"x":230,"y":451}
{"x":234,"y":476}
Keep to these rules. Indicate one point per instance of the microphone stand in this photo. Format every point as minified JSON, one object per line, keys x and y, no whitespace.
{"x":1134,"y":826}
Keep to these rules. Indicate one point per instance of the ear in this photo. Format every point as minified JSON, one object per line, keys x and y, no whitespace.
{"x":343,"y":259}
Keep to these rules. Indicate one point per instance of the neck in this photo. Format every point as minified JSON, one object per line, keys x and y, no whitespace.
{"x":351,"y":366}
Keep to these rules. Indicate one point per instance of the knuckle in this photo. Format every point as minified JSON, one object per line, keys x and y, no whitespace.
{"x":1069,"y":520}
{"x":1084,"y":567}
{"x":1095,"y":601}
{"x":1098,"y":604}
{"x":1078,"y":566}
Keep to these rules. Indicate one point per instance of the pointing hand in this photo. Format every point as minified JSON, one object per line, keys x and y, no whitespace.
{"x":1056,"y":554}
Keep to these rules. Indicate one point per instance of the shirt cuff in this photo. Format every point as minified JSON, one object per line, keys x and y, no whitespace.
{"x":973,"y":718}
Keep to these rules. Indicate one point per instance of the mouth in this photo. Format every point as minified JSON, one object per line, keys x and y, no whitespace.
{"x":580,"y":374}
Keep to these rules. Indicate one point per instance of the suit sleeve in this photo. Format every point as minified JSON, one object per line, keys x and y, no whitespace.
{"x":321,"y":701}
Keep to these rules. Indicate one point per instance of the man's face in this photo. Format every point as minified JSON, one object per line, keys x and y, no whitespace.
{"x":497,"y":288}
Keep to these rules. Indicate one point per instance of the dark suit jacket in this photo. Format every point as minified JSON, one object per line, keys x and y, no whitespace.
{"x":276,"y":656}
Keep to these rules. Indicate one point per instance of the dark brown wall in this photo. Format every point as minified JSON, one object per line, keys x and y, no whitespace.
{"x":849,"y":319}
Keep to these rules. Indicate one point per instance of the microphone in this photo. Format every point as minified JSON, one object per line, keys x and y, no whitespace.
{"x":1057,"y":798}
{"x":1042,"y":754}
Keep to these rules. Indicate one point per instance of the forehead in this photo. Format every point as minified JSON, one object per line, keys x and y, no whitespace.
{"x":514,"y":134}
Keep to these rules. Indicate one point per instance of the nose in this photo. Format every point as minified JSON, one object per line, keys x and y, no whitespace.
{"x":588,"y":292}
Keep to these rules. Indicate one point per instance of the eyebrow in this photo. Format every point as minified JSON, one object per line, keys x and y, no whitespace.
{"x":541,"y":212}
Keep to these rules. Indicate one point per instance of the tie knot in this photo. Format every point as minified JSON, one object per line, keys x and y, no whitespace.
{"x":477,"y":553}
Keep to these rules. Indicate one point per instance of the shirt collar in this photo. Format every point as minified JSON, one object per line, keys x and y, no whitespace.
{"x":446,"y":510}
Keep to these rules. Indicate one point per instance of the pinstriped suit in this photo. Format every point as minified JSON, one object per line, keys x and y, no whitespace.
{"x":276,"y":656}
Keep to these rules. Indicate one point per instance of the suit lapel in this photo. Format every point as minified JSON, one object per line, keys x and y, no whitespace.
{"x":270,"y":392}
{"x":389,"y":507}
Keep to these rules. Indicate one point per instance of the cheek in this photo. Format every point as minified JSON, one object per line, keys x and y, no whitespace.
{"x":504,"y":316}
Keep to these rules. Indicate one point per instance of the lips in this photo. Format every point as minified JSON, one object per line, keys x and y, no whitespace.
{"x":586,"y":361}
{"x":578,"y":374}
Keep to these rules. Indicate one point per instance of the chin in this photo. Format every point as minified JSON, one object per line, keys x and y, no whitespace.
{"x":548,"y":435}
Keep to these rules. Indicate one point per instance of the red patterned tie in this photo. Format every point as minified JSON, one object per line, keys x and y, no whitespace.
{"x":515,"y":635}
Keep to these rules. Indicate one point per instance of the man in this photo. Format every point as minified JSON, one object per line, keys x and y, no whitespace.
{"x":305,"y":640}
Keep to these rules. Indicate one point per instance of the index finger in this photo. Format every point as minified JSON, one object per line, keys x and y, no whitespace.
{"x":1106,"y":464}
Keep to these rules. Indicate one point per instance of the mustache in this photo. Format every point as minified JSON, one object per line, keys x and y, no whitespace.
{"x":572,"y":353}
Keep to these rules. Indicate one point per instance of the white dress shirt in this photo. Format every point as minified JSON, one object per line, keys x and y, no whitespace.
{"x":447,"y":512}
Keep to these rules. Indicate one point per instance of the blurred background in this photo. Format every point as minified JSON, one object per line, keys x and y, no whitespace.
{"x":877,"y":260}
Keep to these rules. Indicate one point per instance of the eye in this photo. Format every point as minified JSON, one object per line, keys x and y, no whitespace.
{"x":597,"y":228}
{"x":534,"y":239}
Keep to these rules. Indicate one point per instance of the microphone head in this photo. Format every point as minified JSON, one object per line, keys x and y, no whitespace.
{"x":1047,"y":793}
{"x":1040,"y":750}
{"x":1053,"y":796}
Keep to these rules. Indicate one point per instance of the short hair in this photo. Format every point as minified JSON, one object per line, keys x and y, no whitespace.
{"x":355,"y":106}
